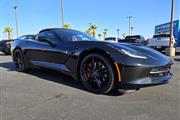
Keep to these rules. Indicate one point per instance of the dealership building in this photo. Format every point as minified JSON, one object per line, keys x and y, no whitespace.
{"x":165,"y":28}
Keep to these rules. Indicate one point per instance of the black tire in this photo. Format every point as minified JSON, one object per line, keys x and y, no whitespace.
{"x":19,"y":61}
{"x":97,"y":74}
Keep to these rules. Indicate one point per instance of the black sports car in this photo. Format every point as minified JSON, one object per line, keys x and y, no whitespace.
{"x":100,"y":65}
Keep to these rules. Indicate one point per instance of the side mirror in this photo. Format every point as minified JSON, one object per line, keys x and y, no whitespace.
{"x":44,"y":39}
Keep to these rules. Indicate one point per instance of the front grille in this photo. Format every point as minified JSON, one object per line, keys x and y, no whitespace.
{"x":158,"y":72}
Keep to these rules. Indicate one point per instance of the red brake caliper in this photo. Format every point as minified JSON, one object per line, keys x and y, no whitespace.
{"x":89,"y":71}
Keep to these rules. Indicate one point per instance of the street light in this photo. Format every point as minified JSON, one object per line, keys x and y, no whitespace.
{"x":129,"y":18}
{"x":62,"y":13}
{"x":171,"y":50}
{"x":132,"y":28}
{"x":16,"y":19}
{"x":118,"y":31}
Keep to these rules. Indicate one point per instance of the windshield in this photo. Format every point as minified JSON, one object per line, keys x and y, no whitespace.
{"x":73,"y":35}
{"x":26,"y":37}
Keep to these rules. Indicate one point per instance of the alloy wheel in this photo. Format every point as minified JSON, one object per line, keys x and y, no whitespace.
{"x":96,"y":75}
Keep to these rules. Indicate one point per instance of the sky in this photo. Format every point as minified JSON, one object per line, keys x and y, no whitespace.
{"x":35,"y":15}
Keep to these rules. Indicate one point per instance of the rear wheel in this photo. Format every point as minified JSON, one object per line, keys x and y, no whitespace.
{"x":19,"y":61}
{"x":97,"y":74}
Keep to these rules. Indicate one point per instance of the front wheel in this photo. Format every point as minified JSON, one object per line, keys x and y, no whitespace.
{"x":19,"y":61}
{"x":97,"y":74}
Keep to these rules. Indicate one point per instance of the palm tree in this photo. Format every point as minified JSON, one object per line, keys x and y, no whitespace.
{"x":124,"y":35}
{"x":88,"y":31}
{"x":105,"y":32}
{"x":67,"y":26}
{"x":8,"y":30}
{"x":118,"y":32}
{"x":93,"y":28}
{"x":99,"y":35}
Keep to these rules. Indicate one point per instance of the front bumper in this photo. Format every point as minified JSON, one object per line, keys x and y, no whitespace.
{"x":134,"y":77}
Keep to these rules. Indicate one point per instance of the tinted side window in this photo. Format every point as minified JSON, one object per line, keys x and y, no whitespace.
{"x":48,"y":34}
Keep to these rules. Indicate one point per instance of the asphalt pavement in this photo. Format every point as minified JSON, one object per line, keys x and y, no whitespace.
{"x":49,"y":95}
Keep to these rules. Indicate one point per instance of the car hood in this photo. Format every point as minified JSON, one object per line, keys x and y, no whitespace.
{"x":153,"y":57}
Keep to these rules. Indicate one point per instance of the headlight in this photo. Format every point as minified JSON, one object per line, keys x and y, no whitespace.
{"x":133,"y":54}
{"x":128,"y":51}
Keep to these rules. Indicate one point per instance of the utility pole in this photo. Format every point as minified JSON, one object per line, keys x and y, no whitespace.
{"x":118,"y":31}
{"x":16,"y":19}
{"x":62,"y":12}
{"x":132,"y":28}
{"x":129,"y":18}
{"x":171,"y":45}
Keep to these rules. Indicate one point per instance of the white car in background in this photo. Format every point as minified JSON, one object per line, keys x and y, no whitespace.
{"x":160,"y":42}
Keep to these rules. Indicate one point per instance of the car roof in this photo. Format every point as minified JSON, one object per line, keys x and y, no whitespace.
{"x":51,"y":29}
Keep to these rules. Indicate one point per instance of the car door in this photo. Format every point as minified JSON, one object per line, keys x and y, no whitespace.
{"x":49,"y":55}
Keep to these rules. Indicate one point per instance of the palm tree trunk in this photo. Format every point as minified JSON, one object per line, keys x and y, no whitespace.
{"x":9,"y":35}
{"x":94,"y":33}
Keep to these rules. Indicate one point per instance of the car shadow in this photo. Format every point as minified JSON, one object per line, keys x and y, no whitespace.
{"x":8,"y":65}
{"x":54,"y":76}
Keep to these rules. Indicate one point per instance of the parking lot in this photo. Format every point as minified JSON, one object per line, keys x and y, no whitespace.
{"x":49,"y":95}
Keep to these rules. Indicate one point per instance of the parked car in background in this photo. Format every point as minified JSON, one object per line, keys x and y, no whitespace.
{"x":5,"y":46}
{"x":160,"y":41}
{"x":101,"y":66}
{"x":113,"y":39}
{"x":136,"y":39}
{"x":129,"y":39}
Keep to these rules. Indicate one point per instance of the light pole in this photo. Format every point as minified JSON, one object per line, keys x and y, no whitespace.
{"x":118,"y":31}
{"x":16,"y":19}
{"x":62,"y":12}
{"x":129,"y":18}
{"x":171,"y":51}
{"x":132,"y":28}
